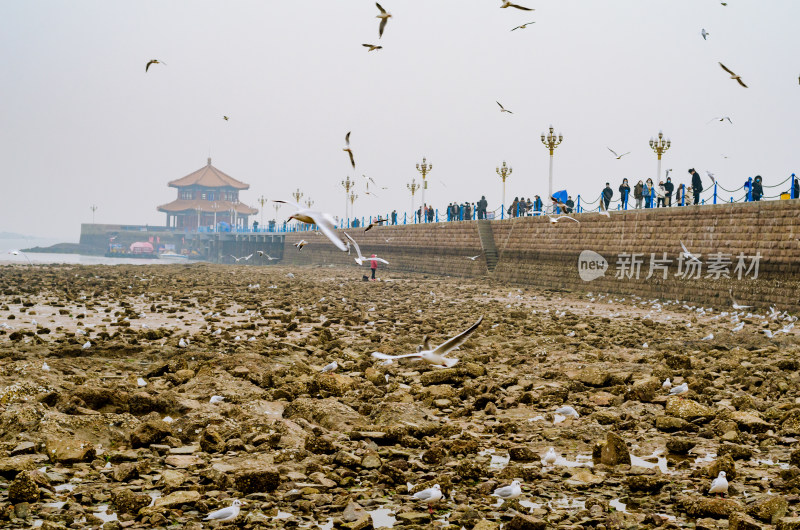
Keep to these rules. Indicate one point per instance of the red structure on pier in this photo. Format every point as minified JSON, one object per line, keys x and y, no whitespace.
{"x":207,"y":197}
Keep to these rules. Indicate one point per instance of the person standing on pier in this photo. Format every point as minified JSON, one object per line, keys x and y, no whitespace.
{"x":758,"y":189}
{"x":637,"y":194}
{"x":669,"y":187}
{"x":697,"y":185}
{"x":373,"y":264}
{"x":482,"y":205}
{"x":624,"y":191}
{"x":570,"y":205}
{"x":607,"y":194}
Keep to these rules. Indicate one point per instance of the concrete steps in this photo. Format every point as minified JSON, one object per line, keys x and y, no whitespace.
{"x":487,"y":243}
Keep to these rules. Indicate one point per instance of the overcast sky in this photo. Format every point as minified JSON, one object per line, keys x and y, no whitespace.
{"x":83,"y":124}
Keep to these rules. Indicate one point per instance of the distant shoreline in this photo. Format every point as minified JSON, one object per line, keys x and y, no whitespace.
{"x":64,"y":248}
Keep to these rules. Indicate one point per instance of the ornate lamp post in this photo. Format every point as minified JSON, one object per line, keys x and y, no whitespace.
{"x":214,"y":205}
{"x":297,"y":195}
{"x":413,"y":187}
{"x":551,"y":141}
{"x":659,"y":147}
{"x":309,"y":203}
{"x":198,"y":218}
{"x":347,"y":184}
{"x":424,"y":169}
{"x":93,"y":208}
{"x":504,"y":172}
{"x":353,"y":198}
{"x":262,"y":201}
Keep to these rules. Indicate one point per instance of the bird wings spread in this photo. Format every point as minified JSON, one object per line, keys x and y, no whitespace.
{"x":458,"y":340}
{"x":325,"y":225}
{"x":726,"y":69}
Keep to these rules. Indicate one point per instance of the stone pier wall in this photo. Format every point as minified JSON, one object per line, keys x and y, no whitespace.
{"x":535,"y":252}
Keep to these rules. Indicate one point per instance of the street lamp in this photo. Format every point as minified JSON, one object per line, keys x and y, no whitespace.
{"x":504,"y":172}
{"x":198,"y":218}
{"x":347,"y":184}
{"x":214,"y":205}
{"x":551,"y":141}
{"x":413,"y":187}
{"x":353,"y":198}
{"x":297,"y":195}
{"x":262,"y":201}
{"x":309,"y":203}
{"x":659,"y":147}
{"x":424,"y":169}
{"x":93,"y":208}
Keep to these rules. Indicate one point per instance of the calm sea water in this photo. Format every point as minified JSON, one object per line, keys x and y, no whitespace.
{"x":77,"y":259}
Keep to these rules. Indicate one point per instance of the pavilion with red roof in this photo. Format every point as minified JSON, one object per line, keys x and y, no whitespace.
{"x":206,"y":197}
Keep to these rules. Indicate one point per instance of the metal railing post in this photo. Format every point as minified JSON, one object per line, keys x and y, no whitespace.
{"x":715,"y":192}
{"x":749,"y":189}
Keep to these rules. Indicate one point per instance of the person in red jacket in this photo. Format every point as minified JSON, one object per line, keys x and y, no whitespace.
{"x":373,"y":263}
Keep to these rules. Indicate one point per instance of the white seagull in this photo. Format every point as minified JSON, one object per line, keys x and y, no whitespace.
{"x":86,"y":345}
{"x":225,"y":514}
{"x":567,"y":410}
{"x":216,"y":399}
{"x":263,"y":254}
{"x":509,"y":492}
{"x":733,"y":302}
{"x":384,"y":16}
{"x":436,"y":356}
{"x":551,"y":457}
{"x":300,"y":244}
{"x":361,"y":259}
{"x":554,"y":220}
{"x":324,"y":221}
{"x":473,"y":258}
{"x":719,"y":485}
{"x":330,"y":367}
{"x":241,"y":258}
{"x":704,"y":33}
{"x":666,"y":384}
{"x":733,"y":75}
{"x":615,"y":153}
{"x":429,"y":496}
{"x":679,"y":390}
{"x":182,"y":343}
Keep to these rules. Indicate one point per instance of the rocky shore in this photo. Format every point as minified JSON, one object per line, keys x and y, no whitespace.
{"x":107,"y":417}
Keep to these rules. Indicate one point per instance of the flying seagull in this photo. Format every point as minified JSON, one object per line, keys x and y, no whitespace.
{"x":384,"y":16}
{"x":237,"y":260}
{"x":225,"y":118}
{"x":225,"y":514}
{"x":523,"y":26}
{"x":153,"y":61}
{"x":554,"y":220}
{"x":503,"y":109}
{"x":376,"y":222}
{"x":720,"y":118}
{"x":300,"y":244}
{"x":372,"y":47}
{"x":361,"y":259}
{"x":347,"y":149}
{"x":711,"y":176}
{"x":263,"y":254}
{"x":18,"y":252}
{"x":323,"y":221}
{"x":436,"y":356}
{"x":615,"y":153}
{"x":733,"y":302}
{"x":704,"y":33}
{"x":733,"y":76}
{"x":506,"y":4}
{"x":473,"y":258}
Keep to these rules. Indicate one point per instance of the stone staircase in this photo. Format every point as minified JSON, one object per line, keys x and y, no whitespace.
{"x":487,"y":243}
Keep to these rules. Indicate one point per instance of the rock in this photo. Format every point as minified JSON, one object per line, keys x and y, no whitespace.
{"x":737,"y":452}
{"x":526,"y":522}
{"x":593,"y":376}
{"x":523,"y":454}
{"x":791,"y":424}
{"x":741,"y":521}
{"x":671,"y":424}
{"x":23,"y":488}
{"x":724,"y":463}
{"x":128,"y":502}
{"x":10,"y":467}
{"x":643,"y":391}
{"x":371,"y":460}
{"x":211,"y":441}
{"x":320,"y":445}
{"x":646,"y":483}
{"x":789,"y":523}
{"x":710,"y":507}
{"x":23,"y":448}
{"x":363,"y":523}
{"x":170,"y":480}
{"x":182,"y":461}
{"x":435,"y":455}
{"x":328,"y":413}
{"x":686,"y":409}
{"x":125,"y":472}
{"x":263,"y":479}
{"x":69,"y":450}
{"x":353,"y":512}
{"x":455,"y":375}
{"x":178,"y":498}
{"x":750,"y":422}
{"x":611,"y":453}
{"x":769,"y":508}
{"x":794,"y":459}
{"x":485,"y":525}
{"x":680,"y":446}
{"x":335,"y":384}
{"x":347,"y":459}
{"x":470,"y":469}
{"x":413,"y":518}
{"x":151,"y":432}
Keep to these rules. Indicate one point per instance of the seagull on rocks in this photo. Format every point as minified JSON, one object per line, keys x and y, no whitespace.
{"x":329,"y":368}
{"x":361,"y":259}
{"x":141,"y":382}
{"x":324,"y":221}
{"x":551,"y":457}
{"x":429,"y":496}
{"x":568,"y":411}
{"x":719,"y":485}
{"x":710,"y":336}
{"x":509,"y":492}
{"x":86,"y":345}
{"x":435,"y":356}
{"x":216,"y":399}
{"x":45,"y":367}
{"x":679,"y":390}
{"x":666,"y":384}
{"x":182,"y":343}
{"x":738,"y":327}
{"x":225,"y":514}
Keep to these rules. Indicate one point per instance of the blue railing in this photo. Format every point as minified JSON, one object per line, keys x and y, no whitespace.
{"x":463,"y":212}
